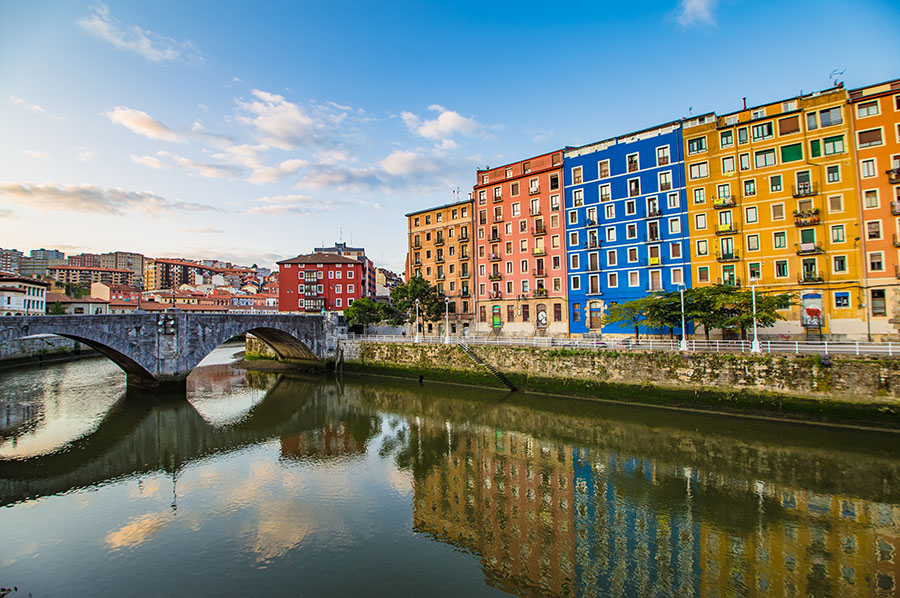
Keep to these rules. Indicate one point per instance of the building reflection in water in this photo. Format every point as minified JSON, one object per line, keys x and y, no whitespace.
{"x":553,"y":519}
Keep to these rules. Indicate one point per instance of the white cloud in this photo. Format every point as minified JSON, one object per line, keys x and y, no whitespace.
{"x":142,"y":123}
{"x":338,"y":178}
{"x":153,"y":47}
{"x":213,"y":171}
{"x":83,"y":154}
{"x":271,"y":174}
{"x":401,"y":163}
{"x":282,"y":124}
{"x":25,"y":105}
{"x":334,"y":157}
{"x":37,"y":154}
{"x":242,"y":155}
{"x":202,"y":230}
{"x":447,"y":124}
{"x":149,"y":161}
{"x":89,"y":198}
{"x":294,"y":204}
{"x":696,"y":12}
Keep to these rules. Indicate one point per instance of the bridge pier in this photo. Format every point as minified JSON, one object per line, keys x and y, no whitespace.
{"x":163,"y":385}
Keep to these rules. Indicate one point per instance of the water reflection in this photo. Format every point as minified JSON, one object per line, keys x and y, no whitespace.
{"x":548,"y":496}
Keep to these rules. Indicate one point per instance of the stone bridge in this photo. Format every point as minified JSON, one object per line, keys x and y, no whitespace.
{"x":161,"y":349}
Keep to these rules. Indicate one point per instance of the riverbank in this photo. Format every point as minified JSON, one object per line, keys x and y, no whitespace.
{"x":41,"y":349}
{"x":857,"y":390}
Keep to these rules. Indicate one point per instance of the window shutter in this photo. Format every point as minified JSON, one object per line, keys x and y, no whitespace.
{"x":792,"y":153}
{"x":788,"y":125}
{"x":872,"y":137}
{"x":815,"y":148}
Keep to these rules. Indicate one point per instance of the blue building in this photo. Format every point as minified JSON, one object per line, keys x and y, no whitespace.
{"x":626,"y":224}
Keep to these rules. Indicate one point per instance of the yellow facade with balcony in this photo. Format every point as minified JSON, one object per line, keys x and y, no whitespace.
{"x":773,"y":202}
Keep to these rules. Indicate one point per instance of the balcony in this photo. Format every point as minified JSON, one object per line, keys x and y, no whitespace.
{"x":536,"y":212}
{"x":465,"y":274}
{"x":665,"y":186}
{"x":805,"y":189}
{"x":595,"y":267}
{"x":895,"y":207}
{"x":655,"y":288}
{"x":655,"y":261}
{"x":482,"y":220}
{"x":417,"y":245}
{"x":439,"y":259}
{"x":495,"y":257}
{"x":538,"y":230}
{"x":807,"y":217}
{"x":633,"y":167}
{"x":438,"y":241}
{"x":810,"y":277}
{"x":498,"y":198}
{"x":495,"y":276}
{"x":495,"y":237}
{"x":498,"y":218}
{"x":465,"y":293}
{"x":440,"y":277}
{"x":729,"y":281}
{"x":733,"y":256}
{"x":463,"y":237}
{"x":653,"y":213}
{"x":590,"y":222}
{"x":495,"y":295}
{"x":538,"y":251}
{"x":534,"y":190}
{"x":538,"y":272}
{"x":726,"y":201}
{"x":592,"y":243}
{"x":662,"y":160}
{"x":810,"y":249}
{"x":653,"y":236}
{"x":893,"y":176}
{"x":726,"y":229}
{"x":896,"y":240}
{"x":463,"y":256}
{"x":539,"y":292}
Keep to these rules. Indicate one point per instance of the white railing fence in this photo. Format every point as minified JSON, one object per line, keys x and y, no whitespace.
{"x":651,"y":344}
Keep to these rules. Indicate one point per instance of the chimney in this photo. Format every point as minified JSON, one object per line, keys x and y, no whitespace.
{"x":745,"y":103}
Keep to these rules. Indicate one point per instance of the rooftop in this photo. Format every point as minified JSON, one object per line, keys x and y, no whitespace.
{"x":319,"y":258}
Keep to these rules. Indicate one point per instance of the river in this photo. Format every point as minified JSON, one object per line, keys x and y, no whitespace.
{"x":270,"y":485}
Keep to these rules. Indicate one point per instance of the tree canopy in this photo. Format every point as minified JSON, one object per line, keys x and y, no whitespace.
{"x":431,"y":301}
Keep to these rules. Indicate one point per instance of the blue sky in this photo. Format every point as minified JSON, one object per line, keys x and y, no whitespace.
{"x":256,"y":131}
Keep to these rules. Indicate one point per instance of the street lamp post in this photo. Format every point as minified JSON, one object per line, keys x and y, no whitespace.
{"x":446,"y":320}
{"x":754,"y":346}
{"x":683,"y":346}
{"x":418,"y":339}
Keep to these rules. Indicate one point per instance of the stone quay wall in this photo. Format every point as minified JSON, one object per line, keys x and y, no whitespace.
{"x":39,"y":348}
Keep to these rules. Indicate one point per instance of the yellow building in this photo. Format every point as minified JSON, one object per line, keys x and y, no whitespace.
{"x":773,"y":202}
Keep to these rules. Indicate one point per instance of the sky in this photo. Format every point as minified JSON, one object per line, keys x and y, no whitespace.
{"x":253,"y":132}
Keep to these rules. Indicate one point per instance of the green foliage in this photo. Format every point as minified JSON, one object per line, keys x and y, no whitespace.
{"x":56,"y":309}
{"x":664,"y":311}
{"x":629,"y":312}
{"x":737,"y":308}
{"x":363,"y":311}
{"x":703,"y":306}
{"x":77,"y":291}
{"x":431,"y":302}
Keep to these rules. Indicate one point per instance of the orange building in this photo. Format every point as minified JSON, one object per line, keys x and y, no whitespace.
{"x":876,"y":132}
{"x":440,"y":251}
{"x":520,"y":255}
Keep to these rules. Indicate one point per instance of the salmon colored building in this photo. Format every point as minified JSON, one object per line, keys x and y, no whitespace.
{"x":876,"y":132}
{"x":319,"y":281}
{"x":520,"y":250}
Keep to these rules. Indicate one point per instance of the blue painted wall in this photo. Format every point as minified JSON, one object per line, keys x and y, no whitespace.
{"x":623,"y":224}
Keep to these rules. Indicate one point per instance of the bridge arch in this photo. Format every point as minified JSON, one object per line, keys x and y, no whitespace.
{"x":285,"y":344}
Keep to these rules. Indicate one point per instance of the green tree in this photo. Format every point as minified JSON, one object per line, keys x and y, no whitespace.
{"x":431,"y":302}
{"x":738,"y":309}
{"x":703,"y":305}
{"x":390,"y":315}
{"x":664,"y":311}
{"x":363,"y":311}
{"x":56,"y":309}
{"x":630,"y":312}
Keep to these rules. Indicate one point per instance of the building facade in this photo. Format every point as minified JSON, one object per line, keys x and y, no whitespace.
{"x":772,"y":202}
{"x":9,"y":260}
{"x":319,"y":282}
{"x":440,"y":251}
{"x":125,"y":260}
{"x":21,"y":296}
{"x":359,"y":254}
{"x":87,"y":276}
{"x":168,"y":273}
{"x":520,"y":255}
{"x":626,"y":224}
{"x":876,"y":131}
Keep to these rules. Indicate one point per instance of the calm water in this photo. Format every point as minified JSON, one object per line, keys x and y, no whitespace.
{"x":258,"y":485}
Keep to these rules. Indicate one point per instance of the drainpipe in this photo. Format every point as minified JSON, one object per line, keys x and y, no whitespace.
{"x":860,"y":231}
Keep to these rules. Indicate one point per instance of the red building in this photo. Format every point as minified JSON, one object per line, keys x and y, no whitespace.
{"x":520,"y":248}
{"x":319,"y":281}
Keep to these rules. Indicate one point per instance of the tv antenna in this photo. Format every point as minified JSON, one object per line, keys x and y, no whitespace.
{"x":834,"y":76}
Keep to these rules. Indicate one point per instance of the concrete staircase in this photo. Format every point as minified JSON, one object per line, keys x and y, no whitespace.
{"x":494,"y":371}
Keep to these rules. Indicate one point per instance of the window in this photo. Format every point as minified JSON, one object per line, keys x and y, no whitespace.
{"x":834,"y":145}
{"x":754,"y":270}
{"x":762,"y":131}
{"x":830,"y":117}
{"x":674,"y":226}
{"x":870,"y":138}
{"x":868,"y":168}
{"x":662,"y":155}
{"x":750,"y":214}
{"x":675,"y":251}
{"x":726,"y":138}
{"x":576,"y":175}
{"x":514,"y":188}
{"x":700,"y":221}
{"x":775,"y":183}
{"x":576,"y":283}
{"x":630,"y":208}
{"x":867,"y":109}
{"x":815,"y":148}
{"x":699,"y":195}
{"x":870,"y":199}
{"x":632,"y":254}
{"x":765,"y":158}
{"x":723,"y":191}
{"x":811,"y":122}
{"x":791,"y":153}
{"x":750,"y":187}
{"x":554,"y":181}
{"x":352,"y":289}
{"x":603,"y":169}
{"x":781,"y":269}
{"x":833,"y":174}
{"x":633,"y":163}
{"x":576,"y":312}
{"x":758,"y":113}
{"x":611,"y":257}
{"x":696,"y":145}
{"x":609,"y":211}
{"x":839,"y":264}
{"x":752,"y":242}
{"x":727,"y":164}
{"x":835,"y":203}
{"x":610,"y":233}
{"x":634,"y":279}
{"x":665,"y":181}
{"x":780,"y":239}
{"x":703,"y":274}
{"x":873,"y":229}
{"x":573,"y":217}
{"x":878,"y":304}
{"x":677,"y":277}
{"x":534,"y":186}
{"x":516,"y":209}
{"x":631,"y":231}
{"x":745,"y":161}
{"x":574,"y":262}
{"x":557,"y":312}
{"x":554,"y":203}
{"x":789,"y":125}
{"x":742,"y":135}
{"x":674,"y":200}
{"x":702,"y":247}
{"x":876,"y":264}
{"x":573,"y":238}
{"x":612,"y":279}
{"x":634,"y":187}
{"x":338,"y":302}
{"x":699,"y":171}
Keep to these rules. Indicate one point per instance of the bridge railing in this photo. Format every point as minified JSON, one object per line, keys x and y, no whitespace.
{"x":888,"y":349}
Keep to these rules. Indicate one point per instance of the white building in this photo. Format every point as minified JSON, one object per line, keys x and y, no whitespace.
{"x":21,"y":296}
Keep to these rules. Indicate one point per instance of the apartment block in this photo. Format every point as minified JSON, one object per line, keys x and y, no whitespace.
{"x":626,"y":223}
{"x":171,"y":273}
{"x":773,"y":202}
{"x":876,"y":131}
{"x":441,"y":251}
{"x":520,"y":255}
{"x":319,"y":282}
{"x":359,"y":254}
{"x":87,"y":276}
